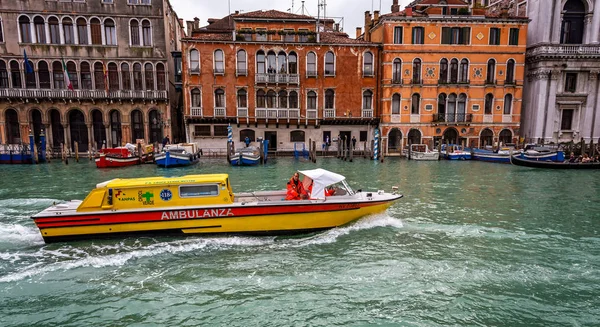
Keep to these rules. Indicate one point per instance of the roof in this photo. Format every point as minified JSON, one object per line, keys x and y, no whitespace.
{"x":320,"y":178}
{"x":339,"y":38}
{"x":150,"y":181}
{"x":272,"y":14}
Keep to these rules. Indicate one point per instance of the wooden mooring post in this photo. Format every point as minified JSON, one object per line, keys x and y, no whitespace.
{"x":77,"y":151}
{"x":314,"y":148}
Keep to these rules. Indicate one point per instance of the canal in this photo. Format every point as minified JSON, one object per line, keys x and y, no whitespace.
{"x":470,"y":244}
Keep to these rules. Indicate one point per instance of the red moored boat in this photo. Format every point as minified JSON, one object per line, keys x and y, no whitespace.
{"x":121,"y":157}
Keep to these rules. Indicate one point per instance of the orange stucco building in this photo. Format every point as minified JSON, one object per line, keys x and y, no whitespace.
{"x":272,"y":75}
{"x":450,"y":73}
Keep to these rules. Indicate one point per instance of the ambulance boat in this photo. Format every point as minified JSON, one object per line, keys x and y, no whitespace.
{"x":206,"y":204}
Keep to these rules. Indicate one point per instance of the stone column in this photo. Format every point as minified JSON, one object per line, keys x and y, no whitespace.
{"x":552,"y":111}
{"x":61,"y":32}
{"x":595,"y":26}
{"x":2,"y":134}
{"x":90,"y":137}
{"x":67,"y":138}
{"x":592,"y":103}
{"x":49,"y":138}
{"x":556,"y":23}
{"x":108,"y":136}
{"x":588,"y":34}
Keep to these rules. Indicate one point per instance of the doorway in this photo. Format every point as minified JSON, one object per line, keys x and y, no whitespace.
{"x":272,"y":137}
{"x":347,"y":136}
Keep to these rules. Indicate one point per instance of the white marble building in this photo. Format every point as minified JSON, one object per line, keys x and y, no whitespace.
{"x":563,"y":63}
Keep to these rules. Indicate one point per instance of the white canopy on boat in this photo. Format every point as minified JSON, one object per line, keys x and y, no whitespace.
{"x":320,"y":178}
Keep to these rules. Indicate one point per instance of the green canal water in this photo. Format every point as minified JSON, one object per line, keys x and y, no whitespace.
{"x":470,"y":244}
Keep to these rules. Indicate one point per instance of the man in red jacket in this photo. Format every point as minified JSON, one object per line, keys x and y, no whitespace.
{"x":295,"y":189}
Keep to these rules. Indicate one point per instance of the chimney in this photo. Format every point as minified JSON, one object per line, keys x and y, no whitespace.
{"x":237,"y":12}
{"x":358,"y":32}
{"x":395,"y":6}
{"x":376,"y":16}
{"x":336,"y":27}
{"x":190,"y":27}
{"x":408,"y":11}
{"x":196,"y":22}
{"x":367,"y":19}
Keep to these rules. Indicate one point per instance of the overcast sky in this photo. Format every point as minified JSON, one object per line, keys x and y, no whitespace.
{"x":352,"y":11}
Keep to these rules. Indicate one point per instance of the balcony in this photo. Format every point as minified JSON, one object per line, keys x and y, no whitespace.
{"x":196,"y":111}
{"x":452,"y":118}
{"x":329,"y":113}
{"x":367,"y":113}
{"x":277,"y":78}
{"x":242,"y":112}
{"x":220,"y":112}
{"x":82,"y":94}
{"x":564,"y":51}
{"x":311,"y":114}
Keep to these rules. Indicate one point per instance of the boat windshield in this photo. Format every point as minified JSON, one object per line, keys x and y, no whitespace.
{"x":346,"y":187}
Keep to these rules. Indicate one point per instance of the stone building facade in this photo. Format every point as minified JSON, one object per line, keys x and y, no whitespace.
{"x":273,"y":75}
{"x":451,"y":72}
{"x":115,"y":54}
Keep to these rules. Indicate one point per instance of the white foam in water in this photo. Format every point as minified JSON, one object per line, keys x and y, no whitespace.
{"x":15,"y":233}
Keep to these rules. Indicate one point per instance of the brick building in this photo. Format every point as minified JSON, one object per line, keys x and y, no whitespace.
{"x":117,"y":57}
{"x":272,"y":75}
{"x":450,"y":72}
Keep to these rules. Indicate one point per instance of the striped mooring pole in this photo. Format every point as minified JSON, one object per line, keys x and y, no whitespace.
{"x":376,"y":147}
{"x":229,"y":134}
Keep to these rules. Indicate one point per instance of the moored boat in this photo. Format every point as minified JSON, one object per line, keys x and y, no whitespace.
{"x":205,"y":204}
{"x":178,"y":155}
{"x":123,"y":157}
{"x":247,"y":156}
{"x":500,"y":156}
{"x":518,"y":160}
{"x":454,"y":152}
{"x":421,"y":152}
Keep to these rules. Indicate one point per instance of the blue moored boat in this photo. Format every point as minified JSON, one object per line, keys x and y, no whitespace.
{"x":455,"y":152}
{"x":248,"y":156}
{"x":178,"y":155}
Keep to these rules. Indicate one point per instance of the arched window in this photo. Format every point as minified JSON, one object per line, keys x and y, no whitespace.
{"x":573,"y":23}
{"x":99,"y":79}
{"x":3,"y":75}
{"x":283,"y":99}
{"x":113,"y":77}
{"x":219,"y":98}
{"x":194,"y":61}
{"x":260,"y":62}
{"x":441,"y":116}
{"x":125,"y":76}
{"x":110,"y":32}
{"x":13,"y":134}
{"x":25,"y":29}
{"x":505,"y":136}
{"x":396,"y":104}
{"x":271,"y":62}
{"x":271,"y":99}
{"x":96,"y":30}
{"x":311,"y":64}
{"x":367,"y":100}
{"x":86,"y":76}
{"x":54,"y":30}
{"x":242,"y":98}
{"x":260,"y":99}
{"x":196,"y":98}
{"x":329,"y":99}
{"x":311,"y":100}
{"x":242,"y":65}
{"x":461,"y":109}
{"x":510,"y":72}
{"x":491,"y":71}
{"x":293,"y":63}
{"x":15,"y":74}
{"x":414,"y":136}
{"x":368,"y":64}
{"x":40,"y":29}
{"x":486,"y":138}
{"x":58,"y":75}
{"x":134,"y":32}
{"x":147,"y":32}
{"x":444,"y":70}
{"x":282,"y":62}
{"x":115,"y":128}
{"x":72,"y":71}
{"x":219,"y":62}
{"x":329,"y":64}
{"x":67,"y":24}
{"x":293,"y":100}
{"x":508,"y":104}
{"x":454,"y":71}
{"x":489,"y":104}
{"x":397,"y":71}
{"x":416,"y":104}
{"x":451,"y":114}
{"x":43,"y":75}
{"x":137,"y":77}
{"x":161,"y":83}
{"x":29,"y":77}
{"x":149,"y":74}
{"x":137,"y":125}
{"x":464,"y":71}
{"x":417,"y":71}
{"x":82,"y":31}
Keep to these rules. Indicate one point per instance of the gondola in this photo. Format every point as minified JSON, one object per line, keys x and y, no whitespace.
{"x":515,"y":160}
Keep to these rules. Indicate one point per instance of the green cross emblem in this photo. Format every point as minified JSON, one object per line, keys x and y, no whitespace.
{"x":148,"y":196}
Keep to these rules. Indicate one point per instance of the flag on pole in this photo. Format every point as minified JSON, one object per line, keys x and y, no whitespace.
{"x":28,"y":68}
{"x":105,"y":77}
{"x":68,"y":83}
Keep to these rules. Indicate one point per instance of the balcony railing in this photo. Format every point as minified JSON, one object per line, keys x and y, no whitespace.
{"x":196,"y":111}
{"x":220,"y":112}
{"x":452,"y":118}
{"x":329,"y":113}
{"x":242,"y":112}
{"x":311,"y":114}
{"x":366,"y":113}
{"x":83,"y":94}
{"x":294,"y":113}
{"x":261,"y":113}
{"x":277,"y":78}
{"x":588,"y":50}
